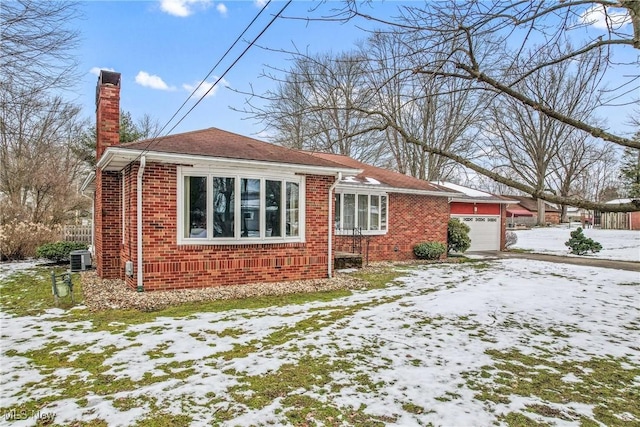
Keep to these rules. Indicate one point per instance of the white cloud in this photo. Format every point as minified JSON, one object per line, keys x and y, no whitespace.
{"x":614,"y":17}
{"x":182,"y":8}
{"x":204,"y":87}
{"x":260,"y":3}
{"x":96,"y":70}
{"x":154,"y":82}
{"x":222,"y":9}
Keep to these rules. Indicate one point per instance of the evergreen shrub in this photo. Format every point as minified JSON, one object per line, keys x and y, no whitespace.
{"x":58,"y":251}
{"x":429,"y":250}
{"x":579,"y":244}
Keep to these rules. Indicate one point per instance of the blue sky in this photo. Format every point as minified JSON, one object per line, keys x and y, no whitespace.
{"x":164,"y":48}
{"x":164,"y":53}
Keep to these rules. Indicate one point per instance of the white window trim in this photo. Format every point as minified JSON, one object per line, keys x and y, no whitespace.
{"x":238,"y":175}
{"x":379,"y":231}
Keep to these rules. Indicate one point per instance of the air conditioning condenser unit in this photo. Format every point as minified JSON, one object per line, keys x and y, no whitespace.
{"x":80,"y":260}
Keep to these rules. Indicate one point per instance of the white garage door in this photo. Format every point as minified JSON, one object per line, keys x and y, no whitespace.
{"x":484,"y":233}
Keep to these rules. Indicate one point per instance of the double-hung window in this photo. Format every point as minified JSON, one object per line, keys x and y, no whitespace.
{"x":230,"y":207}
{"x":364,"y":211}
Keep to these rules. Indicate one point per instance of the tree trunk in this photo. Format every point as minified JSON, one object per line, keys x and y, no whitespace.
{"x":541,"y":213}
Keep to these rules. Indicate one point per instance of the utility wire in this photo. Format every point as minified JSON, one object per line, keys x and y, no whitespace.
{"x":276,"y":16}
{"x":215,"y":66}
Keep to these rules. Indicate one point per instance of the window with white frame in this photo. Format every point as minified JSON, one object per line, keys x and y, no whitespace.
{"x":238,"y":208}
{"x":364,"y":211}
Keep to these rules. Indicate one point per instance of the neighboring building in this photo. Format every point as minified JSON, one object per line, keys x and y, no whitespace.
{"x":583,"y":216}
{"x":620,"y":220}
{"x":526,"y":212}
{"x":484,"y":213}
{"x":211,"y":208}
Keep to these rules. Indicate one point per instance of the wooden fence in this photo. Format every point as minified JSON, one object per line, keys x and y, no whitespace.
{"x":616,"y":220}
{"x":77,"y":233}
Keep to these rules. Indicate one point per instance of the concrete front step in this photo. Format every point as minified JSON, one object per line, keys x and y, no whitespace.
{"x":343,"y":260}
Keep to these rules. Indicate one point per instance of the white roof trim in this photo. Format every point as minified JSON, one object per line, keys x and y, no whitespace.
{"x":88,"y":183}
{"x":472,"y":200}
{"x":114,"y":159}
{"x":383,"y":188}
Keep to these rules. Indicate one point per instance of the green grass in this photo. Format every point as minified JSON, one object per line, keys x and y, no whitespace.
{"x":29,"y":292}
{"x":609,"y":384}
{"x":379,"y":279}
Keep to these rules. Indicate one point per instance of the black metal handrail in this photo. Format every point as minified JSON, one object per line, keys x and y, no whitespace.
{"x":356,"y":240}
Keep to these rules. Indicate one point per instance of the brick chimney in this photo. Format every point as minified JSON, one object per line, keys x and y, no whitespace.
{"x":107,"y":208}
{"x":107,"y":111}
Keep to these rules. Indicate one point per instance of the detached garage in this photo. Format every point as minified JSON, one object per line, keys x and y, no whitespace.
{"x":484,"y":213}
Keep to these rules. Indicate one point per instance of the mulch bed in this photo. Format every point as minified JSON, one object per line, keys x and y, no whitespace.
{"x":103,"y":294}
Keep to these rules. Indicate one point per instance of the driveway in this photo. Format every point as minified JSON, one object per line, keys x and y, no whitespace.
{"x":586,"y":261}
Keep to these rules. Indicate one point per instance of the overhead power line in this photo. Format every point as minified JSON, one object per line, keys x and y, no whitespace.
{"x":215,"y":66}
{"x":155,"y":139}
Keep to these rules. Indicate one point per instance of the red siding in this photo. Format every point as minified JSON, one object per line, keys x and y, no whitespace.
{"x":635,"y":220}
{"x":475,"y":208}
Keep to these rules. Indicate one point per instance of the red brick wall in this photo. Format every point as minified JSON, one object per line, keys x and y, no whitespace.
{"x":107,"y":225}
{"x":413,"y":219}
{"x":107,"y":117}
{"x":552,"y":217}
{"x":168,"y":265}
{"x":635,"y":220}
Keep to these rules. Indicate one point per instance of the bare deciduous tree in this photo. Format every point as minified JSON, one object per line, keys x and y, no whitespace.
{"x":525,"y":38}
{"x":38,"y":170}
{"x":441,"y":113}
{"x":37,"y":44}
{"x":311,"y":108}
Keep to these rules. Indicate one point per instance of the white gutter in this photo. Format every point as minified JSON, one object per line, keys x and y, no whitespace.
{"x":117,"y":158}
{"x":330,"y":250}
{"x":143,"y":162}
{"x":381,"y":189}
{"x":93,"y":223}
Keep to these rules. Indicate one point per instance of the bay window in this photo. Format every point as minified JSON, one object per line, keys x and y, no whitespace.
{"x":238,"y":208}
{"x":366,"y":212}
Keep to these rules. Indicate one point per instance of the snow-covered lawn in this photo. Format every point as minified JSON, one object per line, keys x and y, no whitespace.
{"x":623,"y":245}
{"x":452,"y":345}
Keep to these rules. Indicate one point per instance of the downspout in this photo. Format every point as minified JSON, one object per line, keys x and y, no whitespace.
{"x":93,"y":223}
{"x":143,"y":162}
{"x":330,"y":251}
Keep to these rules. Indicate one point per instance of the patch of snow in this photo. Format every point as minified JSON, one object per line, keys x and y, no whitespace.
{"x":12,"y":267}
{"x":372,"y":181}
{"x":464,"y":190}
{"x":415,"y":341}
{"x":622,"y":245}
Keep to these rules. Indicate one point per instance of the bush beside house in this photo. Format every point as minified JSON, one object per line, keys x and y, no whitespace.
{"x":429,"y":250}
{"x":458,"y":239}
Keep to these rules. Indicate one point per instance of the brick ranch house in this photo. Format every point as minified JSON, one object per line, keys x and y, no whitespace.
{"x":209,"y":207}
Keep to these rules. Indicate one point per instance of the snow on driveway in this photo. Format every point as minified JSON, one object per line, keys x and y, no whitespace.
{"x":414,"y":343}
{"x":622,"y":245}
